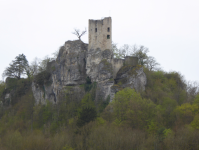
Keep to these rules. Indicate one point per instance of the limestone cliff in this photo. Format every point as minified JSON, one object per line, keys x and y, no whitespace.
{"x":76,"y":64}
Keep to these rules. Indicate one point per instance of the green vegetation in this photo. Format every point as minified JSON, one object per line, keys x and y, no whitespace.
{"x":138,"y":51}
{"x":42,"y":78}
{"x":17,"y":68}
{"x":164,"y":116}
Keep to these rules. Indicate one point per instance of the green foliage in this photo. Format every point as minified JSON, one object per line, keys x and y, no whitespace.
{"x":100,"y":121}
{"x":161,"y":85}
{"x":17,"y":68}
{"x":11,"y":83}
{"x":130,"y":107}
{"x":168,"y":132}
{"x":88,"y":85}
{"x":186,"y":112}
{"x":87,"y":111}
{"x":102,"y":104}
{"x":16,"y":88}
{"x":42,"y":115}
{"x":121,"y":103}
{"x":14,"y":140}
{"x":164,"y":116}
{"x":195,"y":122}
{"x":67,"y":148}
{"x":152,"y":127}
{"x":161,"y":133}
{"x":2,"y":89}
{"x":42,"y":78}
{"x":86,"y":115}
{"x":44,"y":63}
{"x":196,"y":100}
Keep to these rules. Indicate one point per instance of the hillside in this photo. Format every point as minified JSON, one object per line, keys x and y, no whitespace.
{"x":87,"y":100}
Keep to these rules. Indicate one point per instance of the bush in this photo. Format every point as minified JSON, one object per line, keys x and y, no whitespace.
{"x":42,"y":78}
{"x":129,"y":107}
{"x":87,"y":111}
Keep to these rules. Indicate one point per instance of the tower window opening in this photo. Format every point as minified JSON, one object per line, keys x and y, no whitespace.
{"x":108,"y":36}
{"x":108,"y":29}
{"x":95,"y":29}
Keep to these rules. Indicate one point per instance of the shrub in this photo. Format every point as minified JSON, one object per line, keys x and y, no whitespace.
{"x":42,"y":78}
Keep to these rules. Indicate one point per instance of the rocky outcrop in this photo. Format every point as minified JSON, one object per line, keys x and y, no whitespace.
{"x":98,"y":64}
{"x":76,"y":64}
{"x":41,"y":94}
{"x":71,"y":64}
{"x":69,"y":69}
{"x":129,"y":76}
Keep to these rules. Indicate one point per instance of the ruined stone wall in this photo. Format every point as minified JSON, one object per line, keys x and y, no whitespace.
{"x":117,"y":64}
{"x":131,"y":60}
{"x":100,"y":34}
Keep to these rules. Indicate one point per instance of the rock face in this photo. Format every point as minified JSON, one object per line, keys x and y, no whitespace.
{"x":71,"y":64}
{"x":69,"y":69}
{"x":76,"y":64}
{"x":98,"y":65}
{"x":129,"y":76}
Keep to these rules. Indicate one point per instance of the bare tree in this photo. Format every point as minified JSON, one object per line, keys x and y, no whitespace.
{"x":34,"y":66}
{"x":122,"y":52}
{"x":55,"y":54}
{"x":78,"y":34}
{"x":141,"y":53}
{"x":125,"y":50}
{"x":43,"y":63}
{"x":151,"y":63}
{"x":192,"y":90}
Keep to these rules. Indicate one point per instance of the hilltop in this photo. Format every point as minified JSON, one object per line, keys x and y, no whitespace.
{"x":97,"y":96}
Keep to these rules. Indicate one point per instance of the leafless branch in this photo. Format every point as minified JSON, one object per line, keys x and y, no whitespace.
{"x":77,"y":33}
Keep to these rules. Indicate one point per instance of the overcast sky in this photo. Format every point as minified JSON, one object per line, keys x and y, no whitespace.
{"x":169,"y":28}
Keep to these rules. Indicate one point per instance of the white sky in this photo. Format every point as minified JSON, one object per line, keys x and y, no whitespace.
{"x":169,"y":28}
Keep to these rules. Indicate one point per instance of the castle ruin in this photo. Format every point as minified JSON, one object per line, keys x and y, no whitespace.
{"x":100,"y":34}
{"x":78,"y":62}
{"x":100,"y":47}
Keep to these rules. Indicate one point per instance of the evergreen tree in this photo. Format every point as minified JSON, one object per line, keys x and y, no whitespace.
{"x":17,"y":68}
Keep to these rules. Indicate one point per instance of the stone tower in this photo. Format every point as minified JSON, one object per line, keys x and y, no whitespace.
{"x":99,"y":48}
{"x":100,"y":34}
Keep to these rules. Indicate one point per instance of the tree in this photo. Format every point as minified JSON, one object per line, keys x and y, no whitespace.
{"x":138,"y":51}
{"x":2,"y":88}
{"x":141,"y":53}
{"x":151,"y":63}
{"x":121,"y":52}
{"x":192,"y":89}
{"x":87,"y":111}
{"x":17,"y":68}
{"x":186,"y":112}
{"x":115,"y":50}
{"x":127,"y":50}
{"x":130,"y":107}
{"x":78,"y":34}
{"x":34,"y":67}
{"x":43,"y":63}
{"x":56,"y":53}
